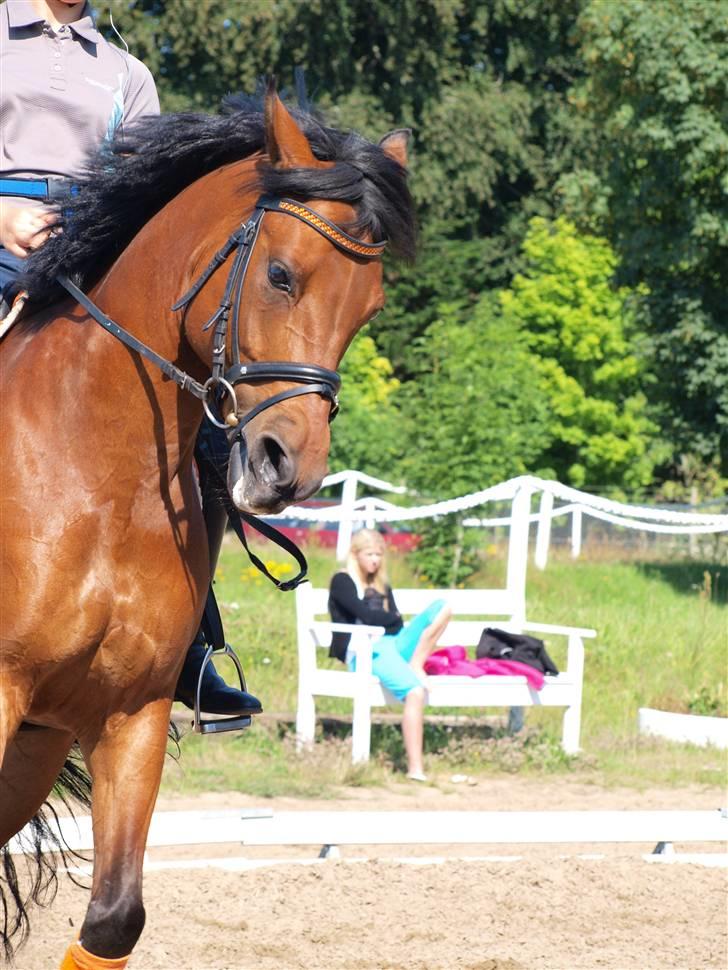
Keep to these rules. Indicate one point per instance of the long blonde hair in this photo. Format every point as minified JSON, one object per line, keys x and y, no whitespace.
{"x":365,"y":539}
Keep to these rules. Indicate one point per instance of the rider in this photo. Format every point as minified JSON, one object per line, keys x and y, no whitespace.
{"x":64,"y":90}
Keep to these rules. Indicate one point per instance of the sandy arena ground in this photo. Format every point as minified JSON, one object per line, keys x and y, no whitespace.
{"x":551,"y":909}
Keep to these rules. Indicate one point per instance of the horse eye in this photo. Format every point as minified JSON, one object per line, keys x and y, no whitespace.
{"x":279,"y":277}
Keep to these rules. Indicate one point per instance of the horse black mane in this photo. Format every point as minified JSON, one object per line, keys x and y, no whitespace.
{"x":131,"y":179}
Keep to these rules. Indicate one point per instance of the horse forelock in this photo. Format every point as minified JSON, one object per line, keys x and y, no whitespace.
{"x":125,"y":184}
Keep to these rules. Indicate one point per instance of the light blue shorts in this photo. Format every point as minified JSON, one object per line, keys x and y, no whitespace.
{"x":391,"y":654}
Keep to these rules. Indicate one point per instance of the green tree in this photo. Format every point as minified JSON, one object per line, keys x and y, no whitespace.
{"x":582,"y":334}
{"x":483,"y":86}
{"x":367,"y":433}
{"x":656,"y":94}
{"x":474,"y":415}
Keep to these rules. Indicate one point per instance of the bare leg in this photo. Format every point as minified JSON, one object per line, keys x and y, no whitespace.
{"x":429,"y":638}
{"x":413,"y":729}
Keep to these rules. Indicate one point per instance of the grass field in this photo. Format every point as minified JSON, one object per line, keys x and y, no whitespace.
{"x":662,"y":642}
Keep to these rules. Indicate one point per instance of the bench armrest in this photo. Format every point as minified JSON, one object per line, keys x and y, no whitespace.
{"x":321,"y":632}
{"x":565,"y":631}
{"x":371,"y":631}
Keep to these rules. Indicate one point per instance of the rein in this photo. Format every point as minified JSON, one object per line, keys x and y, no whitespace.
{"x":312,"y":378}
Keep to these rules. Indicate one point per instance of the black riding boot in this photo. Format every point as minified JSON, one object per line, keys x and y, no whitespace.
{"x":216,"y":697}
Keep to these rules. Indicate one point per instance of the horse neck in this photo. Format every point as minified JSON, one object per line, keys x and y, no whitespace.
{"x":152,"y":273}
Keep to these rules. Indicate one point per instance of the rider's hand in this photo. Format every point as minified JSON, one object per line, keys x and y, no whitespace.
{"x":25,"y":228}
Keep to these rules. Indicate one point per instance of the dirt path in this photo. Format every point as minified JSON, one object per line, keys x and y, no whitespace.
{"x":549,"y":909}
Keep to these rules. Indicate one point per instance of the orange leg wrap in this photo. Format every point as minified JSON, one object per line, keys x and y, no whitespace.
{"x":77,"y":958}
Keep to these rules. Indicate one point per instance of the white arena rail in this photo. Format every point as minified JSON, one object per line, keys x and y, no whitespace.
{"x":260,"y":827}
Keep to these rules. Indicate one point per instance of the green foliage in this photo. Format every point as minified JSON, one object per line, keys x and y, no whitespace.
{"x":450,"y":271}
{"x":707,"y":701}
{"x":580,"y":330}
{"x":483,"y":415}
{"x":482,"y":87}
{"x":366,"y":434}
{"x":656,"y":93}
{"x":484,"y":418}
{"x":461,"y":175}
{"x":611,"y":113}
{"x":447,"y":555}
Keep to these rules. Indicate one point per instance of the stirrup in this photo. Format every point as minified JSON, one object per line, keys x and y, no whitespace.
{"x":232,"y":723}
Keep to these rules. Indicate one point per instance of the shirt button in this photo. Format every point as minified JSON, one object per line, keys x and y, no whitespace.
{"x":56,"y":53}
{"x":57,"y":67}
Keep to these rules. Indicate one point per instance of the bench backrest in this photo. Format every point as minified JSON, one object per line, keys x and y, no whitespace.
{"x":472,"y":609}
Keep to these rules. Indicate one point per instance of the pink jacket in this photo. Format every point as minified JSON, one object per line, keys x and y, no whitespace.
{"x":454,"y":661}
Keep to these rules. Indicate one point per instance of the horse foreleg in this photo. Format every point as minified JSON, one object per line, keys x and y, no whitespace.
{"x":126,"y":762}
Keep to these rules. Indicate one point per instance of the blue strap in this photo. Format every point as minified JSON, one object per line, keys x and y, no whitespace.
{"x":26,"y":188}
{"x":50,"y":189}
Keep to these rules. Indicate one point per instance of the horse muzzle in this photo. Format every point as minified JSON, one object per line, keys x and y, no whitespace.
{"x":264,"y":471}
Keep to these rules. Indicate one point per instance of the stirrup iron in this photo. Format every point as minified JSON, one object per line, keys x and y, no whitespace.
{"x":232,"y":722}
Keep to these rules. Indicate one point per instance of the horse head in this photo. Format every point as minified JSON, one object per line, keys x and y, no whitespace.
{"x":305,"y":282}
{"x":307,"y":211}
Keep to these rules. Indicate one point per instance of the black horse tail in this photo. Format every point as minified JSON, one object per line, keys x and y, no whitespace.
{"x":73,"y":788}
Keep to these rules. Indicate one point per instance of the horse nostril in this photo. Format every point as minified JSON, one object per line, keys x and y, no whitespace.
{"x":276,"y":465}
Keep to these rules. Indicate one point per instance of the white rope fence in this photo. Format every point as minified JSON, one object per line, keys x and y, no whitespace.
{"x":371,"y":510}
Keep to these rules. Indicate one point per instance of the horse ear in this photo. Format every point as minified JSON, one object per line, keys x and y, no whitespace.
{"x":286,"y":144}
{"x":394,"y":144}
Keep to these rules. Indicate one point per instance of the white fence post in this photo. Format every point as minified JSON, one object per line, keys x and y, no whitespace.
{"x":348,"y":497}
{"x":518,"y":549}
{"x":368,"y":509}
{"x":576,"y":522}
{"x":543,"y":534}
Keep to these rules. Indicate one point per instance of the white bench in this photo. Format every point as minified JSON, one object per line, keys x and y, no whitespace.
{"x":473,"y":609}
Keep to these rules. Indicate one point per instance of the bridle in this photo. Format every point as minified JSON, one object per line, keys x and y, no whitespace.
{"x":314,"y":379}
{"x":311,"y":378}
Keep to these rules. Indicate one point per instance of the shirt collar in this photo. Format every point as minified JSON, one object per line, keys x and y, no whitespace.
{"x":22,"y":13}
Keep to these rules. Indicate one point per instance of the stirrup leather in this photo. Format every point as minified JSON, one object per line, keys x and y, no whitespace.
{"x":219,"y":725}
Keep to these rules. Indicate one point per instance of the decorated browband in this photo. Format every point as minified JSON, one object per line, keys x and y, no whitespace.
{"x":350,"y":244}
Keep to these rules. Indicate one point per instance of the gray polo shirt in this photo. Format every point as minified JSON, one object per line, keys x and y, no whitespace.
{"x":62,"y":92}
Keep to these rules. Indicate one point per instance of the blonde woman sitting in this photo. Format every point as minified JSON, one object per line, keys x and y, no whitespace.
{"x":361,"y":594}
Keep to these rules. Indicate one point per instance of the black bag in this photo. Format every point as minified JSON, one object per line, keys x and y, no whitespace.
{"x":500,"y":645}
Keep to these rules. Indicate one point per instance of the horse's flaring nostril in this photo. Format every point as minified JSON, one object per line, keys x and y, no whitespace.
{"x":275,"y":466}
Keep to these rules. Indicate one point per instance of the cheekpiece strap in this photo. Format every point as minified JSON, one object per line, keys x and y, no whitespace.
{"x":341,"y":239}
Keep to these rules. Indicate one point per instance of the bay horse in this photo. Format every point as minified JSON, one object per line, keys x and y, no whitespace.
{"x":105,"y":563}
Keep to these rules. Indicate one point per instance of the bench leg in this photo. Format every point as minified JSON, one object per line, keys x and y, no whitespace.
{"x":572,"y":714}
{"x":305,"y":721}
{"x":516,"y":720}
{"x":571,"y":729}
{"x":361,"y":734}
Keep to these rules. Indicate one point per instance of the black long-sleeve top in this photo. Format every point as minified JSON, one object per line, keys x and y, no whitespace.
{"x":345,"y":606}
